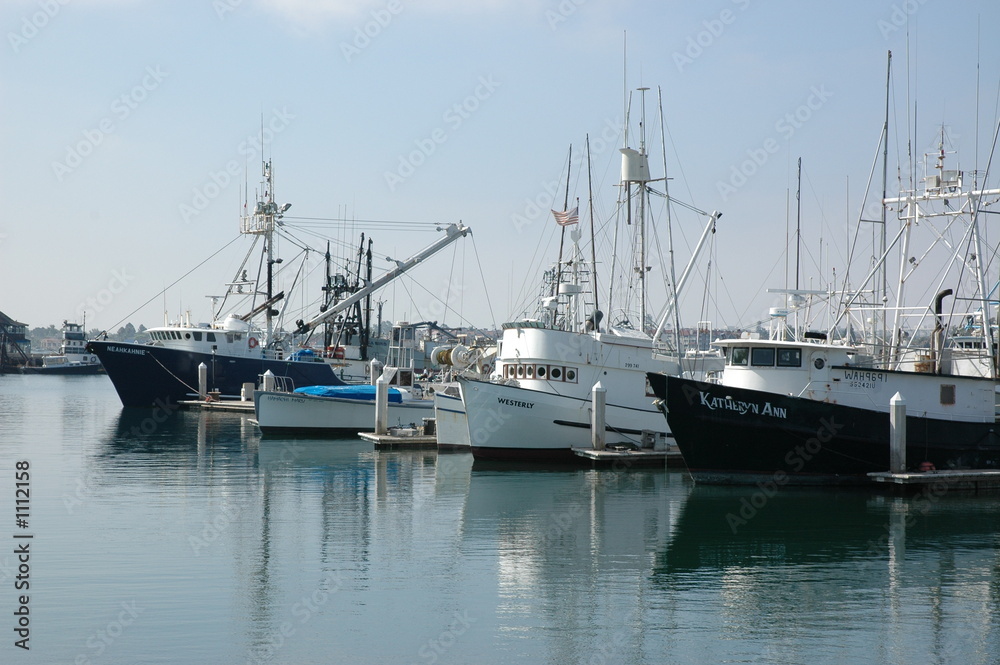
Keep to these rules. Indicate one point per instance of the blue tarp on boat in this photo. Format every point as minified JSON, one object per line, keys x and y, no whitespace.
{"x":362,"y":391}
{"x":304,"y":355}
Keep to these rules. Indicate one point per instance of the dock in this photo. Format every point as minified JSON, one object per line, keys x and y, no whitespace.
{"x":238,"y":405}
{"x":627,"y":458}
{"x":403,"y":438}
{"x":971,"y":480}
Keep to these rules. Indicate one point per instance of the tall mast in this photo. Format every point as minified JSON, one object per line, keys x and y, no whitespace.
{"x":261,"y":223}
{"x":670,"y":231}
{"x":635,"y":170}
{"x":593,"y":245}
{"x":885,"y":184}
{"x":366,"y":330}
{"x":798,"y":222}
{"x":562,"y":235}
{"x":643,"y":195}
{"x":327,"y":296}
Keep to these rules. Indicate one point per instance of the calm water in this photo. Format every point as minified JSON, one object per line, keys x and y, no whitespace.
{"x":189,"y":539}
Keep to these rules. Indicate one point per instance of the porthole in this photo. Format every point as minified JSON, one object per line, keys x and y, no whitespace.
{"x":556,"y":373}
{"x":541,"y":371}
{"x":529,"y":371}
{"x":187,"y":335}
{"x":520,"y":371}
{"x":571,"y":375}
{"x":819,"y":363}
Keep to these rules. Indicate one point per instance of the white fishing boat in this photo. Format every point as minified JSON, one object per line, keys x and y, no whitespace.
{"x":536,"y":407}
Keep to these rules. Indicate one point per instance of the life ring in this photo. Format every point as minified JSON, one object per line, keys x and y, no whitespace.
{"x":252,"y":343}
{"x":338,"y":353}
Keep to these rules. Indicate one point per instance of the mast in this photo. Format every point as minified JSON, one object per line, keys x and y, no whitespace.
{"x":670,"y":229}
{"x":562,"y":235}
{"x":593,"y":244}
{"x":635,"y":170}
{"x":366,"y":330}
{"x":261,"y":223}
{"x":885,"y":184}
{"x":327,"y":296}
{"x":798,"y":222}
{"x":643,"y":197}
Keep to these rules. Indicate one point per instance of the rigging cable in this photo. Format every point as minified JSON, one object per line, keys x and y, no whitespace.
{"x":164,"y":290}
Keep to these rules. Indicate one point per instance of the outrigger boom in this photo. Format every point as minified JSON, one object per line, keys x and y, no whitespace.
{"x":452,"y":233}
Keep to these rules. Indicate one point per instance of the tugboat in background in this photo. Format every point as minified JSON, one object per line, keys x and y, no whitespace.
{"x":73,"y":357}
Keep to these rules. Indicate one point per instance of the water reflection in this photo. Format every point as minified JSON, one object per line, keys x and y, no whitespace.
{"x":903,"y":577}
{"x":336,"y":541}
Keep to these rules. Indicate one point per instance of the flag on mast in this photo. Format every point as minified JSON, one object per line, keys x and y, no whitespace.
{"x":567,"y":217}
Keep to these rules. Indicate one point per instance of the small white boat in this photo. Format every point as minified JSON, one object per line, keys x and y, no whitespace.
{"x":338,"y":409}
{"x":331,"y":410}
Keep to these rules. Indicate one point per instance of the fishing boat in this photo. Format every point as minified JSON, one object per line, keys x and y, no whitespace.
{"x":536,"y":407}
{"x":72,"y":359}
{"x":234,"y":348}
{"x":811,"y":412}
{"x":334,"y":410}
{"x":804,"y":406}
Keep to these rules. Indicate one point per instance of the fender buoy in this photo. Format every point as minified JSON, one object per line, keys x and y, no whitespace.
{"x":252,"y":342}
{"x":338,"y":353}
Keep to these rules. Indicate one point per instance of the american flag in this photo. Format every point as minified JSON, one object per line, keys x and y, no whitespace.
{"x":567,"y":217}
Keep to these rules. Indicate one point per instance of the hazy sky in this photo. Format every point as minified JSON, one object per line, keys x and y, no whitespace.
{"x":126,"y":127}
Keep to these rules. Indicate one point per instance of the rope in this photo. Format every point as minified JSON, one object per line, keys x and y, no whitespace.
{"x":125,"y":318}
{"x":179,"y":380}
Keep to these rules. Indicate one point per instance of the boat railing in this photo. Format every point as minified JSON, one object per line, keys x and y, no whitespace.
{"x":274,"y":383}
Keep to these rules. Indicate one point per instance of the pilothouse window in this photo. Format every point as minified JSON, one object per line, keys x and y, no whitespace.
{"x":789,"y":357}
{"x":762,"y":357}
{"x":740,"y":355}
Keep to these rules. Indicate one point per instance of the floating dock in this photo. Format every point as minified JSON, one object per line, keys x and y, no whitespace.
{"x":218,"y":405}
{"x":628,"y":457}
{"x":971,"y":480}
{"x":401,"y":439}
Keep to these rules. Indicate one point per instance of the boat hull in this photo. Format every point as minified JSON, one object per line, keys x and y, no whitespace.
{"x":734,"y":435}
{"x":145,"y":375}
{"x":451,"y":422}
{"x":509,"y":423}
{"x":295,"y":413}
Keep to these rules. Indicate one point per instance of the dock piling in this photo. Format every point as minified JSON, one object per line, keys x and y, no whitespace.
{"x":897,"y":434}
{"x":598,"y":399}
{"x":202,"y":381}
{"x":381,"y":406}
{"x":267,"y":383}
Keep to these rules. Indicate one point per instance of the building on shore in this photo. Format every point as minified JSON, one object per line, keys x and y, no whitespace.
{"x":15,"y":347}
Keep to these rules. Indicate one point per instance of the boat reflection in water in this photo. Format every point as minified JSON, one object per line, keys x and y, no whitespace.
{"x":338,"y":541}
{"x":909,"y":578}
